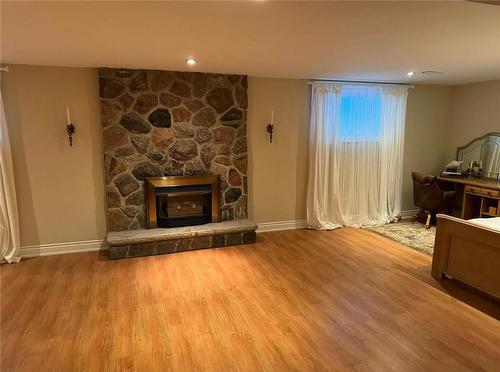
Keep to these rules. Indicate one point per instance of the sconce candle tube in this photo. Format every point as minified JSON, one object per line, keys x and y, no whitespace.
{"x":67,"y":114}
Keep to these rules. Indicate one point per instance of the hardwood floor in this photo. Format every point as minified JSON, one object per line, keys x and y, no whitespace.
{"x":296,"y":300}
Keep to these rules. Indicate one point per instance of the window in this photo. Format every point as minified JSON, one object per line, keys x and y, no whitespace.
{"x":360,"y":113}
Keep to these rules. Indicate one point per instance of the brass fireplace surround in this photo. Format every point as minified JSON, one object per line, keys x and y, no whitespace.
{"x":151,"y":183}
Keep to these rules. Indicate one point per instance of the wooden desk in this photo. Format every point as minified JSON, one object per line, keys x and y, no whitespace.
{"x":487,"y":183}
{"x":474,"y":196}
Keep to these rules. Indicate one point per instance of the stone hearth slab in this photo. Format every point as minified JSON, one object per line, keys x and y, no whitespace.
{"x":145,"y":242}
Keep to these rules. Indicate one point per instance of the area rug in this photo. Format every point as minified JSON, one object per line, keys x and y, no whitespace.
{"x":411,"y":234}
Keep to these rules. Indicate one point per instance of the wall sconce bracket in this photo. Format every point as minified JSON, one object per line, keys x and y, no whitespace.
{"x":70,"y":129}
{"x":270,"y":128}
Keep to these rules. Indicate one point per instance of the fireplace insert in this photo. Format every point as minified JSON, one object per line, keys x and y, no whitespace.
{"x":181,"y":200}
{"x":183,"y":205}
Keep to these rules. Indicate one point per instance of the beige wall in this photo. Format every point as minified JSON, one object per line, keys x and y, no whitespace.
{"x":277,"y":171}
{"x":475,"y":110}
{"x":59,"y":188}
{"x":425,"y":134}
{"x":284,"y":163}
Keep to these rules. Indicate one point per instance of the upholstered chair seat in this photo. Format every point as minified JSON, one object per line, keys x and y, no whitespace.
{"x":429,"y":197}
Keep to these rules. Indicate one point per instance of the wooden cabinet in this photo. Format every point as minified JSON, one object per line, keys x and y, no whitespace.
{"x":480,"y":202}
{"x":475,"y":197}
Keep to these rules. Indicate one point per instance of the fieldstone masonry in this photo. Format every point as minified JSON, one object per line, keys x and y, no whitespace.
{"x":180,"y":245}
{"x":124,"y":244}
{"x":164,"y":123}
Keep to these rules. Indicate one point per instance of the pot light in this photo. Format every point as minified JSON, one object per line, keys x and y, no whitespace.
{"x":410,"y":74}
{"x":191,"y":61}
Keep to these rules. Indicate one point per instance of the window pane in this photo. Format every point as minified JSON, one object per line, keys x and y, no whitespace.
{"x":360,"y":114}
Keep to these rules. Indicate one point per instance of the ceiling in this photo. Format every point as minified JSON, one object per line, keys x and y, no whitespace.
{"x":347,"y":40}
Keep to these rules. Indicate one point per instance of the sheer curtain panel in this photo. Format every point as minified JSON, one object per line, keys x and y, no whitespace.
{"x":355,"y":154}
{"x":9,"y":226}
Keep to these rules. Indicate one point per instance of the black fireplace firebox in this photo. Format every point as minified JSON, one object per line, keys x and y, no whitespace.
{"x":183,"y":205}
{"x":181,"y":200}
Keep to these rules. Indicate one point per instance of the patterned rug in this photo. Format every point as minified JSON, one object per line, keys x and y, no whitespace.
{"x":411,"y":234}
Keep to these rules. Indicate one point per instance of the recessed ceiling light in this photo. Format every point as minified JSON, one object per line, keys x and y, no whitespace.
{"x":191,"y":61}
{"x":410,"y":74}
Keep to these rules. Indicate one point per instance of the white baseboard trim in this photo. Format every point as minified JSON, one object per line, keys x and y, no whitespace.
{"x":409,"y":213}
{"x":97,"y":245}
{"x":302,"y":224}
{"x":62,"y":248}
{"x":281,"y":225}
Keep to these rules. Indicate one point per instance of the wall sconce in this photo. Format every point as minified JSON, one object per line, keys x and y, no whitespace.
{"x":270,"y":127}
{"x":70,"y":128}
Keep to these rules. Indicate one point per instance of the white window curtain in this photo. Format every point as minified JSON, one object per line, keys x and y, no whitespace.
{"x":355,"y":154}
{"x":9,"y":226}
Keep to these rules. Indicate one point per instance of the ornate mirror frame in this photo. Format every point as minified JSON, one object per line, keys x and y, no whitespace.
{"x":479,"y":141}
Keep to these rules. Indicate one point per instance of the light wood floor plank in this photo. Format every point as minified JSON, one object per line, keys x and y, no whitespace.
{"x":296,"y":300}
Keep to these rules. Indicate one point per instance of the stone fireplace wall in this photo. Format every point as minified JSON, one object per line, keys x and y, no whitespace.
{"x":163,"y":123}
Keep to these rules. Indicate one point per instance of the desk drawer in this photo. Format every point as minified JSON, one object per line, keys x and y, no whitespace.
{"x":473,"y":189}
{"x":481,"y":191}
{"x":493,"y":193}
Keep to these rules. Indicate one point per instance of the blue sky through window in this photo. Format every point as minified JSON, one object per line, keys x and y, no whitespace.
{"x":360,"y":114}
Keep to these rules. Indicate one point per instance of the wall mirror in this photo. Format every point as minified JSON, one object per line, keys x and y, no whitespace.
{"x":486,"y":150}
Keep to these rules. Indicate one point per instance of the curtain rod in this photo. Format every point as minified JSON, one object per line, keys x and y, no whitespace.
{"x":5,"y":69}
{"x":359,"y":82}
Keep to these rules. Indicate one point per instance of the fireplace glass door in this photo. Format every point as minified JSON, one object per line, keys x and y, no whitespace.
{"x":183,"y":205}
